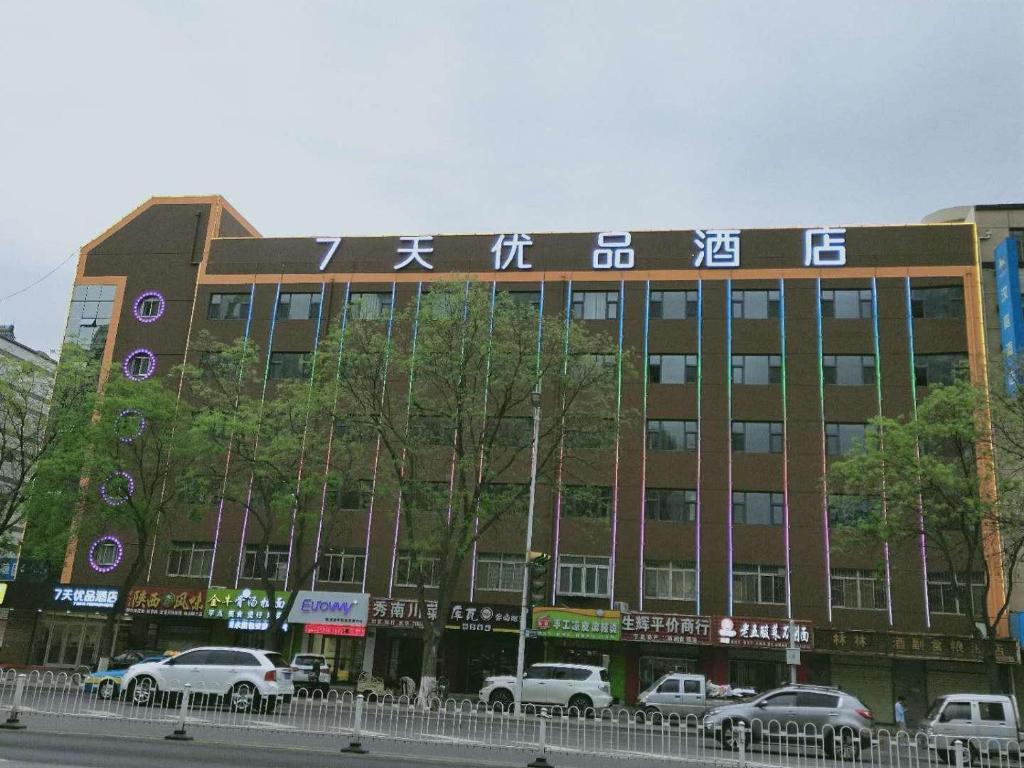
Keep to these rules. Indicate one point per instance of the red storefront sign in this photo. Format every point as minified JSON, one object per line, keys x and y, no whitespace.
{"x":343,"y":630}
{"x":165,"y":601}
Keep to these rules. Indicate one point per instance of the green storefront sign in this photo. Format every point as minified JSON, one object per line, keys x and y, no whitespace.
{"x":577,"y":623}
{"x":243,"y":608}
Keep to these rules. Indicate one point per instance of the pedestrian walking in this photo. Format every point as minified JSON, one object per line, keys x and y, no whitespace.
{"x":901,"y":713}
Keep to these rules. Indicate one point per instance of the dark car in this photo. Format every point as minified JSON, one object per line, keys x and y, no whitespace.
{"x":125,"y":659}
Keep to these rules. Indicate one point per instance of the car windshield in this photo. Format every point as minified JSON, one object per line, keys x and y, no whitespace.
{"x":277,"y":659}
{"x":307,"y":659}
{"x":933,"y":710}
{"x":604,"y":675}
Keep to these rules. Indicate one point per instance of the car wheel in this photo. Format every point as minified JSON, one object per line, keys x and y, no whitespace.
{"x":845,"y":747}
{"x":581,"y":704}
{"x":726,"y":737}
{"x":106,"y":690}
{"x":243,"y":697}
{"x":648,"y":715}
{"x":142,"y":691}
{"x":501,"y":700}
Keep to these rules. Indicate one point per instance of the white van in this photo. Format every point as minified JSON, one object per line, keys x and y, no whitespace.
{"x":985,"y":723}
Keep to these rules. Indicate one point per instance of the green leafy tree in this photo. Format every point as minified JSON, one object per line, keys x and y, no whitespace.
{"x":448,"y":397}
{"x":931,"y":476}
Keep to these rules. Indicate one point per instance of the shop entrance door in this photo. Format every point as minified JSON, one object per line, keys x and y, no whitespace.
{"x":70,"y":644}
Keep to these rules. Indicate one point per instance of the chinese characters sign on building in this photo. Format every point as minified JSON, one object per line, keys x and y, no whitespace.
{"x":913,"y":645}
{"x":761,"y":633}
{"x":666,"y":628}
{"x":155,"y":601}
{"x":578,"y":623}
{"x":243,"y":608}
{"x":1011,"y":321}
{"x":483,"y":617}
{"x":399,"y":614}
{"x":713,"y":630}
{"x":68,"y":596}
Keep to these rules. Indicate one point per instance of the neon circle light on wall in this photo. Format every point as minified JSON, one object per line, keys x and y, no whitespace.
{"x":110,"y":498}
{"x":137,"y":306}
{"x":139,"y":424}
{"x":127,"y":367}
{"x":118,"y":553}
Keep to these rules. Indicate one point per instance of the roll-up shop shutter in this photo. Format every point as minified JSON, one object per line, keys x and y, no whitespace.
{"x":951,"y":677}
{"x":869,"y":682}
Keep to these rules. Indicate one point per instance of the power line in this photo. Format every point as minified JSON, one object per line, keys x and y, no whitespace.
{"x":37,"y":282}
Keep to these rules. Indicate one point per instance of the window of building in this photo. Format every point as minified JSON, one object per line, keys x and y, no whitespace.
{"x":105,"y":554}
{"x":595,"y":305}
{"x":757,"y":508}
{"x":672,"y":369}
{"x":757,"y":436}
{"x":587,"y":501}
{"x":89,"y":317}
{"x":671,"y":435}
{"x":298,"y":306}
{"x":930,"y":370}
{"x":841,"y":438}
{"x":857,"y":589}
{"x":271,"y":563}
{"x":673,"y":305}
{"x":603,"y":360}
{"x":758,"y":584}
{"x":139,"y":366}
{"x":149,"y":306}
{"x":412,"y":567}
{"x":674,"y":505}
{"x":846,"y":304}
{"x":499,"y":572}
{"x":847,"y":510}
{"x":670,"y":580}
{"x":848,"y":370}
{"x":937,"y":303}
{"x":354,"y":495}
{"x":947,"y":596}
{"x":228,"y":306}
{"x":583,"y":576}
{"x":342,"y":566}
{"x":369,"y":306}
{"x":529,"y":298}
{"x":513,"y":432}
{"x":755,"y":305}
{"x":756,"y":369}
{"x":190,"y":558}
{"x":290,"y":365}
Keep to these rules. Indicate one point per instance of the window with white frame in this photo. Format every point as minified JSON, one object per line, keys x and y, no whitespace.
{"x":342,"y":566}
{"x":670,"y":580}
{"x":672,"y":369}
{"x":412,"y":568}
{"x":755,"y":304}
{"x":853,"y":588}
{"x":758,"y":584}
{"x":583,"y":576}
{"x":595,"y":305}
{"x":673,"y":305}
{"x":846,"y":303}
{"x":948,"y":596}
{"x":848,"y":370}
{"x":676,"y":505}
{"x":499,"y":572}
{"x":757,"y":436}
{"x":298,"y":306}
{"x":756,"y":369}
{"x":190,"y":558}
{"x":271,"y":563}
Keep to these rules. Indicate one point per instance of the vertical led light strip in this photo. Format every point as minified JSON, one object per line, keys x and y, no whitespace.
{"x":728,"y":442}
{"x":618,"y":443}
{"x":785,"y":452}
{"x":480,"y":465}
{"x":917,"y":450}
{"x":700,"y":433}
{"x":643,"y":445}
{"x":824,"y":454}
{"x":408,"y":416}
{"x":330,"y":436}
{"x":305,"y":431}
{"x":881,"y":438}
{"x":263,"y":395}
{"x":376,"y":453}
{"x":561,"y":446}
{"x":227,"y":459}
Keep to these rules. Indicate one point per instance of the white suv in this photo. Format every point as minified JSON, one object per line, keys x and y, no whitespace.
{"x":576,"y":686}
{"x":250,"y":680}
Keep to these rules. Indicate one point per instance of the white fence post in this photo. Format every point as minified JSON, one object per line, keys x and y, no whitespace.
{"x":542,"y":744}
{"x":179,"y":732}
{"x":12,"y":723}
{"x":958,"y":749}
{"x":741,"y":743}
{"x":355,"y":745}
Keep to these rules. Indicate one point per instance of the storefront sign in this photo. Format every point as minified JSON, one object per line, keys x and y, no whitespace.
{"x":243,"y":608}
{"x":158,"y":601}
{"x":666,"y":628}
{"x":483,"y":617}
{"x":338,"y":630}
{"x":330,"y":608}
{"x":91,"y":598}
{"x":760,"y":633}
{"x":399,"y":614}
{"x":913,"y":645}
{"x":577,"y":623}
{"x":1011,"y":320}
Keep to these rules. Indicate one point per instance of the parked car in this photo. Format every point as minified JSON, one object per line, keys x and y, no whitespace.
{"x":248,"y":679}
{"x":984,"y":723}
{"x":107,"y":684}
{"x":684,"y":695}
{"x":578,"y":686}
{"x":835,"y":720}
{"x":306,"y":666}
{"x":125,"y":659}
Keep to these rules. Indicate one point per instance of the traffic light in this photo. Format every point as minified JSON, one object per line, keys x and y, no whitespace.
{"x":539,"y":577}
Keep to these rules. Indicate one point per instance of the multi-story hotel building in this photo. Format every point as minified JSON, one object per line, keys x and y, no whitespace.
{"x":764,"y":354}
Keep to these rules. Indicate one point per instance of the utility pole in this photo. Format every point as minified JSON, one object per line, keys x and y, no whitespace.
{"x":523,"y":606}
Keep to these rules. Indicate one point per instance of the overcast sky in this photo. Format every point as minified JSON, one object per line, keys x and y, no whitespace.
{"x":394,"y":117}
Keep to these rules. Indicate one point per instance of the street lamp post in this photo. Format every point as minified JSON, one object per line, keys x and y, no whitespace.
{"x":523,"y":606}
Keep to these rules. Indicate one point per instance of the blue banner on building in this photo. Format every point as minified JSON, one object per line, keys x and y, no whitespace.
{"x":1011,"y":322}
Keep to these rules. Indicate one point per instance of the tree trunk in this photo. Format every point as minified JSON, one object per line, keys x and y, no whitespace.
{"x":104,"y":648}
{"x":993,"y":670}
{"x":432,"y":631}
